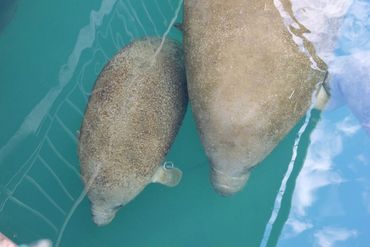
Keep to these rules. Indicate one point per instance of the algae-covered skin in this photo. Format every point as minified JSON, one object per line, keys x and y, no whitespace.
{"x":248,"y":82}
{"x":132,"y":118}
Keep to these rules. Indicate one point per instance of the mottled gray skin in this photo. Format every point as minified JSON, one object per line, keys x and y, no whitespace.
{"x":248,"y":83}
{"x":132,"y":118}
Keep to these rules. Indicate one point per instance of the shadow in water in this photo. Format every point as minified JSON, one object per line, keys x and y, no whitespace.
{"x":286,"y":200}
{"x":7,"y":12}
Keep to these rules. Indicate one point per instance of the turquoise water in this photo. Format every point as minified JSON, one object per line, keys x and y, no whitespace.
{"x":50,"y":55}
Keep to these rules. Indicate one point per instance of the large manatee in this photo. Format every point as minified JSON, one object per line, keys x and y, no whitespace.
{"x":132,"y":118}
{"x":251,"y":76}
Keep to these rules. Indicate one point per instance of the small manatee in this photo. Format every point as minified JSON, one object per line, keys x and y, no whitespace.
{"x":249,"y":82}
{"x":132,"y":118}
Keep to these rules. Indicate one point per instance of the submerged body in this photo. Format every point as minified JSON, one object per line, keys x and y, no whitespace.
{"x":132,"y":118}
{"x":8,"y":9}
{"x":248,"y":81}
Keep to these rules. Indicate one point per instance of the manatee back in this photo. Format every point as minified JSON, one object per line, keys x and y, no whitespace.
{"x":133,"y":115}
{"x":249,"y":82}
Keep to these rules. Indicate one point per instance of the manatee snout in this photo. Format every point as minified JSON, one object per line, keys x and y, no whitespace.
{"x":227,"y":184}
{"x":103,"y":216}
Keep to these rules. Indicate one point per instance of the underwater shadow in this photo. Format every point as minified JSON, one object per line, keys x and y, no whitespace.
{"x":8,"y":9}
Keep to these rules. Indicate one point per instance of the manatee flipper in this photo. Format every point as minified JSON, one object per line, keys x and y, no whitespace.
{"x":322,"y":98}
{"x":167,"y":176}
{"x":179,"y":26}
{"x":323,"y":94}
